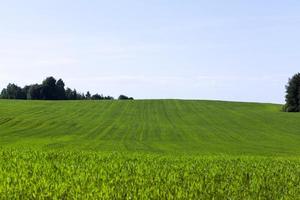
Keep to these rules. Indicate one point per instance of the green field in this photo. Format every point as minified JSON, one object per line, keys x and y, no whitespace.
{"x":157,"y":149}
{"x":160,"y":126}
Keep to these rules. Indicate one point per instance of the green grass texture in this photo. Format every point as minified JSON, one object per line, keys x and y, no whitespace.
{"x":151,"y":126}
{"x":55,"y":174}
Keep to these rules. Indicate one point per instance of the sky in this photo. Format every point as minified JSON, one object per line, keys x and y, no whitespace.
{"x":235,"y":50}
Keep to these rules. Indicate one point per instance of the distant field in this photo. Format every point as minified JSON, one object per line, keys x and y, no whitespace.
{"x":161,"y":126}
{"x":148,"y":149}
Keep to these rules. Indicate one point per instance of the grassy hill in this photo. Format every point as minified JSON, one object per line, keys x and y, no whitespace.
{"x":150,"y":149}
{"x":163,"y":126}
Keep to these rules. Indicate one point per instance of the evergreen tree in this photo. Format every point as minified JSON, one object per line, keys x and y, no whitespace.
{"x":293,"y":94}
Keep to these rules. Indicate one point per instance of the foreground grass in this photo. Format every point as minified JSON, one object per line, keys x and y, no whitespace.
{"x":31,"y":174}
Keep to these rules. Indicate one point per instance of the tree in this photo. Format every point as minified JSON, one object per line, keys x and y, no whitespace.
{"x":80,"y":96}
{"x":4,"y":94}
{"x":35,"y":92}
{"x":124,"y":97}
{"x":60,"y":90}
{"x":26,"y":90}
{"x":97,"y":97}
{"x":293,"y":94}
{"x":49,"y":89}
{"x":13,"y":91}
{"x":74,"y":95}
{"x":69,"y":94}
{"x":88,"y":95}
{"x":108,"y":98}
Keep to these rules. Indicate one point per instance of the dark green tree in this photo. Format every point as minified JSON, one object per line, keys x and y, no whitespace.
{"x":13,"y":91}
{"x":108,"y":98}
{"x":80,"y":96}
{"x":293,"y":94}
{"x":4,"y":94}
{"x":49,"y":89}
{"x":35,"y":92}
{"x":74,"y":94}
{"x":69,"y":94}
{"x":124,"y":97}
{"x":60,"y":90}
{"x":88,"y":95}
{"x":26,"y":90}
{"x":97,"y":97}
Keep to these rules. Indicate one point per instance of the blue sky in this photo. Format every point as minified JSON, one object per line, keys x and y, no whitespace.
{"x":228,"y":50}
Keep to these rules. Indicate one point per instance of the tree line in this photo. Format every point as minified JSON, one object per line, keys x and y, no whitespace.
{"x":51,"y":89}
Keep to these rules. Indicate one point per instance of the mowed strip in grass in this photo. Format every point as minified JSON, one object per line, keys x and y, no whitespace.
{"x":159,"y":126}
